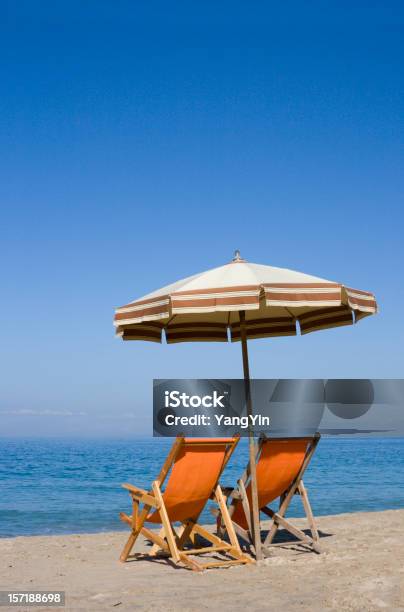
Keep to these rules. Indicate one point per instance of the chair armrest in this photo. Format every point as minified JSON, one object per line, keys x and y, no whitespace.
{"x":141,"y":495}
{"x":133,"y":489}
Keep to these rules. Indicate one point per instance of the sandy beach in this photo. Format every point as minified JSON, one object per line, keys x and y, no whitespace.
{"x":361,"y":568}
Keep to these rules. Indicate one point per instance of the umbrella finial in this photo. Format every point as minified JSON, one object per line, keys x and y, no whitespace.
{"x":237,"y":256}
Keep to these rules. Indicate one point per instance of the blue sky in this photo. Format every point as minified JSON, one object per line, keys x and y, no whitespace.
{"x":144,"y":142}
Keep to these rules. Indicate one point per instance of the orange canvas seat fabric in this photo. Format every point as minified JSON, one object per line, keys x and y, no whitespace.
{"x":193,"y":478}
{"x":278,"y":465}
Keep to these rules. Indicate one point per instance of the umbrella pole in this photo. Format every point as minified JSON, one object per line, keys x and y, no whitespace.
{"x":255,"y":523}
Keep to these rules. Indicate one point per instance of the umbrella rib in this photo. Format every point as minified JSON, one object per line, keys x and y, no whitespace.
{"x":228,"y":326}
{"x":169,"y":321}
{"x":166,"y":325}
{"x":294,"y":317}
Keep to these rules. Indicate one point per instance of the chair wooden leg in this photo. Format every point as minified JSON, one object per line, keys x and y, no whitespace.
{"x":128,"y":546}
{"x":226,"y":518}
{"x":136,"y":522}
{"x":281,"y":512}
{"x":156,"y":547}
{"x":279,"y":520}
{"x":156,"y":539}
{"x":308,"y":511}
{"x":298,"y":533}
{"x":235,"y":551}
{"x":186,"y":534}
{"x":271,"y":533}
{"x":247,"y":512}
{"x":243,"y":534}
{"x":166,"y":523}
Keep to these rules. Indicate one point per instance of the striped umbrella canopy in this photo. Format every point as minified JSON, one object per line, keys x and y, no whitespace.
{"x":276,"y":302}
{"x":237,"y":301}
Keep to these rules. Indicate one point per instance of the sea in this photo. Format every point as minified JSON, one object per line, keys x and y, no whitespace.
{"x":60,"y":486}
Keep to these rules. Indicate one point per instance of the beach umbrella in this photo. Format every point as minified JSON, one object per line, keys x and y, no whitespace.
{"x":237,"y":302}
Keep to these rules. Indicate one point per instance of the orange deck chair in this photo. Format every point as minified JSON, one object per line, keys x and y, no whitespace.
{"x":281,"y":463}
{"x":193,"y":468}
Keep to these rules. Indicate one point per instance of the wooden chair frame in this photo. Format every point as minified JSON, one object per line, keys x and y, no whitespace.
{"x":278,"y":518}
{"x":169,"y":542}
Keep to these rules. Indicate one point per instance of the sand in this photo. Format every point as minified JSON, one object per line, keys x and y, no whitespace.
{"x":361,"y":568}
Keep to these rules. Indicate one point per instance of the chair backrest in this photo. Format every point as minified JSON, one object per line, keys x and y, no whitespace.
{"x":280,"y":460}
{"x":197,"y":464}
